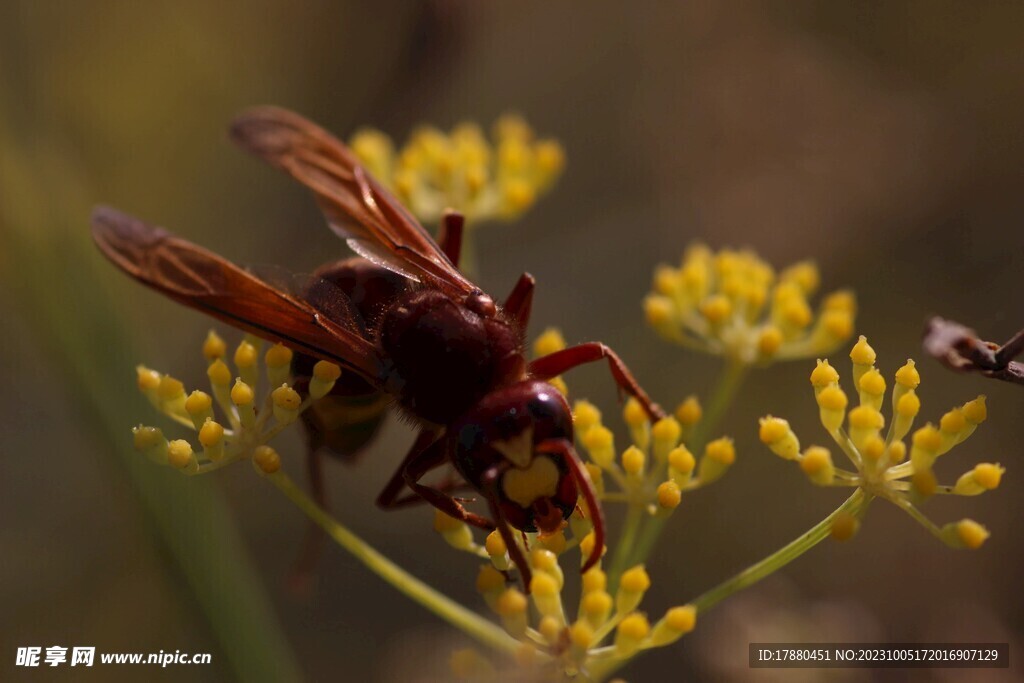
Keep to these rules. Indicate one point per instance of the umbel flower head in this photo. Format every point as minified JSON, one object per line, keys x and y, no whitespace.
{"x":599,"y":634}
{"x":250,"y":421}
{"x":656,"y":467}
{"x":882,"y":467}
{"x":483,"y":179}
{"x":732,"y":304}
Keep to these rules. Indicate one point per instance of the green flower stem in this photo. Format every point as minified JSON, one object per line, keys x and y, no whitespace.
{"x":602,"y":669}
{"x":728,"y":384}
{"x":624,"y":546}
{"x":855,"y":504}
{"x":455,"y":614}
{"x":919,"y":516}
{"x":648,"y":538}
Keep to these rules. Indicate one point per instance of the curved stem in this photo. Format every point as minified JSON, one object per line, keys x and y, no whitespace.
{"x":441,"y":605}
{"x":855,"y":504}
{"x":781,"y":557}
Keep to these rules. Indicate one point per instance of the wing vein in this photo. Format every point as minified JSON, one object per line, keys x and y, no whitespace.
{"x":345,"y":190}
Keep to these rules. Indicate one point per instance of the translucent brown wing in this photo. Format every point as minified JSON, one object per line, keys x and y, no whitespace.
{"x":346,"y":192}
{"x":202,"y":280}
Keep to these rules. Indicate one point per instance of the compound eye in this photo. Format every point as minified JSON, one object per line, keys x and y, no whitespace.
{"x":543,"y":406}
{"x":550,"y":416}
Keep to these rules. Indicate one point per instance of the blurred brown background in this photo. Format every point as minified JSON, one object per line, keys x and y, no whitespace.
{"x":883,"y":140}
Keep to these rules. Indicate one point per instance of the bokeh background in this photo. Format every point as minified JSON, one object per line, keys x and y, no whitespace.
{"x":882,"y":140}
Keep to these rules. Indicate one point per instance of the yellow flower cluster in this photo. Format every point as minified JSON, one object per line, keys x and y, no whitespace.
{"x":251,"y":422}
{"x":732,"y":304}
{"x":496,"y":179}
{"x":600,"y":634}
{"x":882,"y":465}
{"x":657,"y":467}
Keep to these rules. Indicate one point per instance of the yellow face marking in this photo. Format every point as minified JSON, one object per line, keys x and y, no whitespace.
{"x":539,"y":480}
{"x":518,"y":450}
